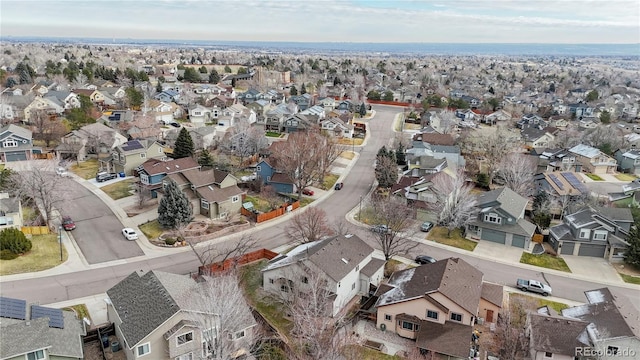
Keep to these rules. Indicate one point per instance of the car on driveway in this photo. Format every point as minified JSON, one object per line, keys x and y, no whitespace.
{"x":130,"y":234}
{"x":426,"y":226}
{"x":68,"y":223}
{"x":338,"y":186}
{"x":425,"y":259}
{"x":380,"y":229}
{"x":60,"y":171}
{"x":307,"y":192}
{"x":105,"y":176}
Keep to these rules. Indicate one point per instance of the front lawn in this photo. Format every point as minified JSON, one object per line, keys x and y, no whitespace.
{"x":625,"y":177}
{"x":545,"y":260}
{"x":367,"y":215}
{"x":81,"y":311}
{"x":350,"y":141}
{"x":557,"y":306}
{"x":44,"y":255}
{"x":361,"y":352}
{"x":630,"y":279}
{"x":329,"y":181}
{"x":439,"y":235}
{"x":120,"y":189}
{"x":594,"y":177}
{"x":86,"y":169}
{"x":273,"y":134}
{"x":152,"y":229}
{"x":347,"y":155}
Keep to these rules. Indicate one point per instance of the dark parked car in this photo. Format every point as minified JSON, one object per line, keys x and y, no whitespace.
{"x":104,"y":176}
{"x":424,"y":259}
{"x":68,"y":224}
{"x":175,"y":124}
{"x":338,"y":186}
{"x":426,"y":226}
{"x":382,"y":229}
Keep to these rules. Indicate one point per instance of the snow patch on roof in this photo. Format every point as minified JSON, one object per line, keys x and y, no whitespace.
{"x":397,"y":293}
{"x":291,"y":256}
{"x":595,"y":296}
{"x":576,"y":312}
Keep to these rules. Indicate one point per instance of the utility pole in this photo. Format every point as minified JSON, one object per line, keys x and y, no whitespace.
{"x":60,"y":240}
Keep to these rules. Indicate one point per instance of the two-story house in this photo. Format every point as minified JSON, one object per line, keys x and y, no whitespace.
{"x":593,"y":231}
{"x":501,"y":219}
{"x":536,"y":138}
{"x":16,"y":144}
{"x":10,"y":212}
{"x":199,"y":115}
{"x":593,"y":160}
{"x":39,"y":332}
{"x":558,"y":160}
{"x":436,"y":304}
{"x":628,"y":161}
{"x":426,"y":164}
{"x":128,"y":156}
{"x":214,"y":193}
{"x":268,"y":173}
{"x":345,"y":263}
{"x":159,"y":315}
{"x":152,"y":171}
{"x":93,"y":138}
{"x":337,"y":128}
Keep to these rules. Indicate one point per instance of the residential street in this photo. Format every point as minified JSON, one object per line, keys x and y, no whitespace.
{"x":357,"y":183}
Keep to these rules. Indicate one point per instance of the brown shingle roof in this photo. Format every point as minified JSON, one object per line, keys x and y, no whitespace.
{"x":198,"y":178}
{"x":493,"y":293}
{"x":281,"y":178}
{"x":449,"y":338}
{"x":340,"y":255}
{"x":155,"y":166}
{"x":558,"y":335}
{"x":435,"y":138}
{"x":214,"y":194}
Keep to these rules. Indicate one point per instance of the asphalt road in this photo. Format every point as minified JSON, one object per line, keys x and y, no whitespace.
{"x":356,"y":184}
{"x":98,"y":230}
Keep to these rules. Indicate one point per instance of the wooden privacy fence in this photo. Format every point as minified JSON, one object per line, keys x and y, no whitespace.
{"x":237,"y":261}
{"x":35,"y":230}
{"x":271,"y":214}
{"x":538,"y":238}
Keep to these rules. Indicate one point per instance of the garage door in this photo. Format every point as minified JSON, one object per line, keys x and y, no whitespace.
{"x":16,"y":156}
{"x":567,"y":248}
{"x":518,"y":241}
{"x":493,"y":236}
{"x":594,"y":250}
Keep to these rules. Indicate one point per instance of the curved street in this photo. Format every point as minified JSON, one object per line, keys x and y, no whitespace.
{"x":358,"y":181}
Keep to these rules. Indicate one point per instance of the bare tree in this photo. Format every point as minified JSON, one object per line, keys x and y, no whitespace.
{"x":211,"y":253}
{"x":46,"y":129}
{"x":142,"y":194}
{"x":517,"y":171}
{"x":455,"y":204}
{"x":511,"y":340}
{"x":309,"y":225}
{"x":270,"y":194}
{"x":219,"y":309}
{"x":329,"y":150}
{"x":244,"y":140}
{"x":495,"y":147}
{"x":303,"y":166}
{"x":40,"y":183}
{"x":397,"y":217}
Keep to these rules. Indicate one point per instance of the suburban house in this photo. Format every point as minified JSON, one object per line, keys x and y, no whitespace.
{"x":156,"y":317}
{"x":203,"y":137}
{"x":39,"y":332}
{"x":536,"y":138}
{"x":128,"y":156}
{"x":344,"y":264}
{"x":604,"y":325}
{"x":337,"y":128}
{"x":558,"y":160}
{"x":561,"y":186}
{"x":501,"y":219}
{"x":269,"y":175}
{"x":426,"y":164}
{"x":199,"y":115}
{"x":593,"y":160}
{"x":437,"y":305}
{"x":497,"y":116}
{"x":16,"y":144}
{"x":10,"y":212}
{"x":152,"y":171}
{"x":628,"y":161}
{"x":50,"y":105}
{"x":93,"y":138}
{"x":299,"y":122}
{"x":593,"y":231}
{"x":214,"y":192}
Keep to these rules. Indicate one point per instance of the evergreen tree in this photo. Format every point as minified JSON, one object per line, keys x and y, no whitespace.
{"x":293,"y":91}
{"x":605,"y":117}
{"x":382,"y":152}
{"x":401,"y":158}
{"x":303,"y":89}
{"x":184,"y":145}
{"x":592,"y":95}
{"x":205,"y":158}
{"x":632,"y":255}
{"x":174,"y":209}
{"x":363,"y":110}
{"x":227,"y":69}
{"x":214,"y":77}
{"x":159,"y":86}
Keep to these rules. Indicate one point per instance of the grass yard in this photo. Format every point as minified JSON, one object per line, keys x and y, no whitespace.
{"x":557,"y":306}
{"x":86,"y":169}
{"x":623,"y":203}
{"x":630,"y":279}
{"x":120,"y":189}
{"x":368,"y":216}
{"x":273,"y":134}
{"x":347,"y":155}
{"x":594,"y":177}
{"x":545,"y":260}
{"x":361,"y":352}
{"x":251,"y":281}
{"x":625,"y":177}
{"x":258,"y":203}
{"x":350,"y":141}
{"x":80,"y":310}
{"x":329,"y":181}
{"x":411,"y":126}
{"x":439,"y":235}
{"x":152,"y":229}
{"x":44,"y":255}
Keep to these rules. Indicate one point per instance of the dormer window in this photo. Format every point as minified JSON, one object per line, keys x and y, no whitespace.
{"x":600,"y":235}
{"x":10,"y":143}
{"x":493,"y":218}
{"x":584,"y":233}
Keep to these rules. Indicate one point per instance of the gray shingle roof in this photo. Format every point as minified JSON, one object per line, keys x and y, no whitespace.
{"x":509,"y":201}
{"x":449,"y":338}
{"x":557,"y":335}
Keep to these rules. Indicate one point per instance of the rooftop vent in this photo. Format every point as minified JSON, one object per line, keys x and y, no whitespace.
{"x":345,"y":261}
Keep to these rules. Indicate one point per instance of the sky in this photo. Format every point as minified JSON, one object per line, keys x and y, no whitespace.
{"x":419,"y":21}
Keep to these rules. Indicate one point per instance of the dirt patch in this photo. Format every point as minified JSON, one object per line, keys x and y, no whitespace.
{"x":136,"y":210}
{"x":627,"y":270}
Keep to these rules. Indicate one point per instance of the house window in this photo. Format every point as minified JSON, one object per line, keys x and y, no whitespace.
{"x":144,"y":349}
{"x":548,"y":355}
{"x":144,"y":178}
{"x":235,"y":199}
{"x":357,"y":267}
{"x":338,"y":284}
{"x":184,"y":338}
{"x":239,"y":335}
{"x":204,"y":203}
{"x":284,"y":288}
{"x":143,"y":155}
{"x":456,"y":317}
{"x":408,"y":325}
{"x":493,"y":218}
{"x":353,"y":286}
{"x":432,"y":314}
{"x":584,"y":233}
{"x":600,"y":235}
{"x":387,"y":317}
{"x":305,"y":280}
{"x":159,"y":150}
{"x":10,"y":143}
{"x":258,"y":168}
{"x":188,"y":356}
{"x":36,"y":355}
{"x":271,"y":281}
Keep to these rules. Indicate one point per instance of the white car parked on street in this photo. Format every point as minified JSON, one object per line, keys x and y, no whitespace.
{"x":130,"y":234}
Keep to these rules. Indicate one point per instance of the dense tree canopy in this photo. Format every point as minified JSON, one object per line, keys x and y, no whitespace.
{"x":174,"y":209}
{"x":184,"y":145}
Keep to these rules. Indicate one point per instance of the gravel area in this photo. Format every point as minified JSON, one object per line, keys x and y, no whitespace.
{"x":393,"y":343}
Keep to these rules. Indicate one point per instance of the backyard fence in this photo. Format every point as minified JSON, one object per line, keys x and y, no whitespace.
{"x":35,"y":230}
{"x":271,"y":214}
{"x":237,"y":261}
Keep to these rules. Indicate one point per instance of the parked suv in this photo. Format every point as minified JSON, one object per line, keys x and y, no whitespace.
{"x":105,"y":176}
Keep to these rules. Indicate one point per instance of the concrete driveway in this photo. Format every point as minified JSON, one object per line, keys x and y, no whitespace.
{"x":98,"y":230}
